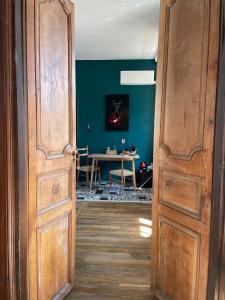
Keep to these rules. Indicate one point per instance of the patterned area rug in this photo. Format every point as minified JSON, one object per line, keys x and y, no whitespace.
{"x":103,"y":192}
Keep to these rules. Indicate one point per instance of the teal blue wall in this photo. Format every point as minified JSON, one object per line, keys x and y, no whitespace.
{"x":95,"y":79}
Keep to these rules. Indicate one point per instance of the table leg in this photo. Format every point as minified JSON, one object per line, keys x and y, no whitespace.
{"x":92,"y":172}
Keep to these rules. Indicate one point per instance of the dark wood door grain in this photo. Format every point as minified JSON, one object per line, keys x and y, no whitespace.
{"x":185,"y":114}
{"x":216,"y":282}
{"x":7,"y":237}
{"x":183,"y":147}
{"x":51,"y":141}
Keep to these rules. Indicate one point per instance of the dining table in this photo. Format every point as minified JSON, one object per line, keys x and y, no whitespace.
{"x":108,"y":157}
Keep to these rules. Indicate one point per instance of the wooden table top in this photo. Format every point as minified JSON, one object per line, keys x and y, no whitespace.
{"x":116,"y":157}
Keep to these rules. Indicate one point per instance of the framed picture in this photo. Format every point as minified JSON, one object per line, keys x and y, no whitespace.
{"x":117,"y":112}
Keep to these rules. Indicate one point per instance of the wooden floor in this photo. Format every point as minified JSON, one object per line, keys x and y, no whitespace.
{"x":113,"y":252}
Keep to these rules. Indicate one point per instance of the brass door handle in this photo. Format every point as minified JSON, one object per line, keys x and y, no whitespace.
{"x":69,"y":150}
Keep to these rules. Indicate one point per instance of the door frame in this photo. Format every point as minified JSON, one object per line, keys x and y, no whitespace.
{"x":21,"y":153}
{"x":216,"y":277}
{"x":7,"y":146}
{"x":15,"y":152}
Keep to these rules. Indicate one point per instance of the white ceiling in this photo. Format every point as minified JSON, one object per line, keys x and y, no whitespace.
{"x":116,"y":29}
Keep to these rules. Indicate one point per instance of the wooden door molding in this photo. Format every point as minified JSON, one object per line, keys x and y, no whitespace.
{"x":23,"y":77}
{"x":199,"y":53}
{"x":53,"y":146}
{"x":50,"y":71}
{"x":21,"y":153}
{"x":216,"y":282}
{"x":7,"y":212}
{"x":177,"y":224}
{"x":183,"y":147}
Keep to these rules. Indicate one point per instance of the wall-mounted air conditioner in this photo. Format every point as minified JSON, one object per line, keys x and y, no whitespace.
{"x":137,"y":78}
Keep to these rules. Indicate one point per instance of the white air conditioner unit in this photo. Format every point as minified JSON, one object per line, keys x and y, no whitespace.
{"x":137,"y":78}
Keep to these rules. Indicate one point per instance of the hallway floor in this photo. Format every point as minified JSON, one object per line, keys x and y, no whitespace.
{"x":113,"y":251}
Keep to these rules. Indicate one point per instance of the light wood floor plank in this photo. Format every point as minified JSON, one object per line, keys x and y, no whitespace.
{"x":113,"y":252}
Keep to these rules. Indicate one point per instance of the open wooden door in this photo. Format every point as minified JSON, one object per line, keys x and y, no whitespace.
{"x":183,"y":153}
{"x":51,"y":146}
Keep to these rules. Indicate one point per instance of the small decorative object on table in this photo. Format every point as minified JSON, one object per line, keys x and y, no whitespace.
{"x":133,"y":148}
{"x":130,"y":150}
{"x":111,"y":151}
{"x":125,"y":151}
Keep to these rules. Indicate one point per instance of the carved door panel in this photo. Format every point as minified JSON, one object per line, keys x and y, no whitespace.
{"x":183,"y":149}
{"x":51,"y":143}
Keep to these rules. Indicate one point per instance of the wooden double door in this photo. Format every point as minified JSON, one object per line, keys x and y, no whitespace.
{"x":183,"y":147}
{"x":50,"y":67}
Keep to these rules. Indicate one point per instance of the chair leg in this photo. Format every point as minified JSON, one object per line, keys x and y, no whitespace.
{"x":87,"y":177}
{"x":122,"y":181}
{"x":122,"y":185}
{"x":134,"y":182}
{"x":95,"y":177}
{"x":134,"y":176}
{"x":99,"y":176}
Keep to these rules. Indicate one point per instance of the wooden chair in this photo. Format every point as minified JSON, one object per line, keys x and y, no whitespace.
{"x":123,"y":173}
{"x":87,"y":168}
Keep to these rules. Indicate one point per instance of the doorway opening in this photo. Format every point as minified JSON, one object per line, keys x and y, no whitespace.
{"x":115,"y":92}
{"x":187,"y":87}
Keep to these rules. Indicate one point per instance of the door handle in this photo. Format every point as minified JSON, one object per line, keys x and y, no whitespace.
{"x":69,"y":150}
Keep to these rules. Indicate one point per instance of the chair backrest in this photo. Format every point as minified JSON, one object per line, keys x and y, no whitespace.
{"x":132,"y":154}
{"x":83,"y":152}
